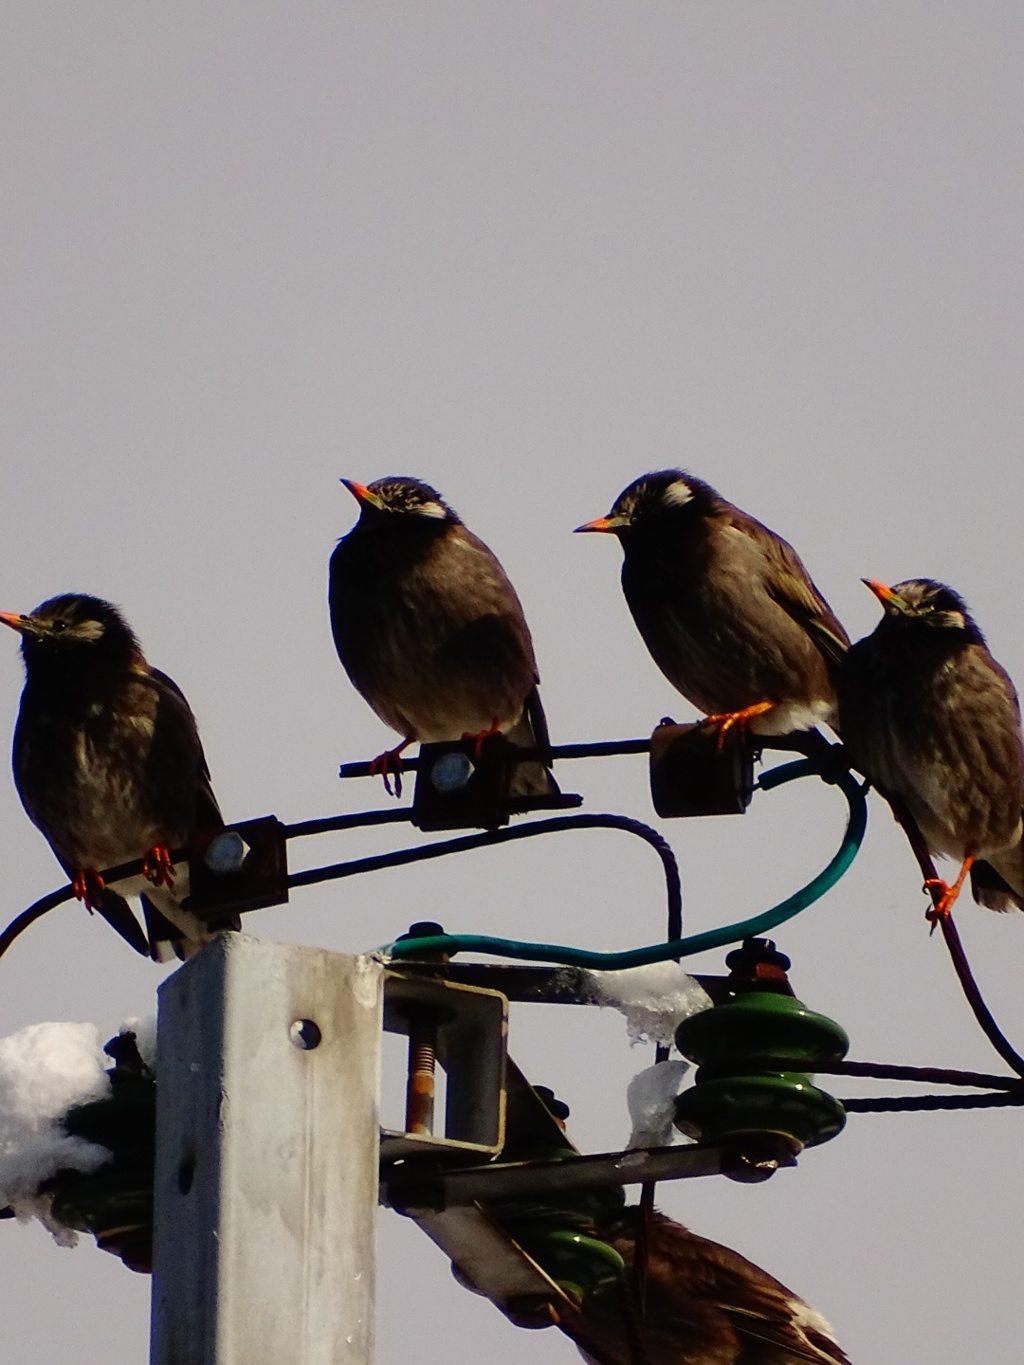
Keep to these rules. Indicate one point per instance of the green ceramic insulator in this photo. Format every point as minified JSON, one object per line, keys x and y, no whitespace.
{"x":755,"y":1054}
{"x":579,"y":1265}
{"x":735,"y":1107}
{"x":760,"y":1024}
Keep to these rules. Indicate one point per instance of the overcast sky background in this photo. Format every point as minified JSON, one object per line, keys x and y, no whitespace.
{"x":527,"y":252}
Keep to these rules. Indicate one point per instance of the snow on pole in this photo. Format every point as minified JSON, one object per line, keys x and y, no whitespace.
{"x":45,"y":1070}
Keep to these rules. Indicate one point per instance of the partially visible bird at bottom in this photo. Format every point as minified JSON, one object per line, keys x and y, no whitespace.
{"x":725,"y":606}
{"x":932,"y":720}
{"x":704,"y":1305}
{"x":109,"y":765}
{"x":430,"y":630}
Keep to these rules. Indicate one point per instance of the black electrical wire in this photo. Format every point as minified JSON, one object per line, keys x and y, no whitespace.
{"x":403,"y":856}
{"x":899,"y":1104}
{"x":50,"y":902}
{"x":968,"y":984}
{"x":394,"y":815}
{"x":928,"y":1075}
{"x":598,"y":749}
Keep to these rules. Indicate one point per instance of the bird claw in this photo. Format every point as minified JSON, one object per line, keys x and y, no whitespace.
{"x":728,"y":719}
{"x":478,"y":740}
{"x":389,"y":764}
{"x":157,"y":866}
{"x":941,"y":900}
{"x":943,"y":895}
{"x":89,"y":888}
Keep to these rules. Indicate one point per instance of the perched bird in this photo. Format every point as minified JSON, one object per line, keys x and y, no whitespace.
{"x":108,"y":764}
{"x":704,"y":1305}
{"x":932,"y":720}
{"x":725,"y":606}
{"x":430,"y":630}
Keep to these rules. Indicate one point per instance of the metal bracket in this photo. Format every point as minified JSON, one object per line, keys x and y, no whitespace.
{"x":700,"y":770}
{"x":463,"y":1029}
{"x":241,"y":867}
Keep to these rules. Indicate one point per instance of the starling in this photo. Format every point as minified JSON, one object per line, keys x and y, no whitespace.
{"x":109,"y":765}
{"x":932,"y":720}
{"x":725,"y":606}
{"x":430,"y":630}
{"x":704,"y":1305}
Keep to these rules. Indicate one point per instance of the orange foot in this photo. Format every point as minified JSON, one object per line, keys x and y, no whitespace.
{"x":88,"y":887}
{"x":157,"y":866}
{"x":728,"y":719}
{"x":478,"y":739}
{"x":944,"y":895}
{"x":389,"y":764}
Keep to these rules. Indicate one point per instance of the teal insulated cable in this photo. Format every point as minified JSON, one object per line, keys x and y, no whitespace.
{"x":562,"y":955}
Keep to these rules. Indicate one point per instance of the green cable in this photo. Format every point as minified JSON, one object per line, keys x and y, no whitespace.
{"x":678,"y":947}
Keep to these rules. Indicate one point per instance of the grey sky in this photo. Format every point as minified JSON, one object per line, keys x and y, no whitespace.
{"x":528,"y":252}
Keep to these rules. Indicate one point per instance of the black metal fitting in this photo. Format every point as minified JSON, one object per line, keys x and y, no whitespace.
{"x":701,"y":770}
{"x":242,"y":867}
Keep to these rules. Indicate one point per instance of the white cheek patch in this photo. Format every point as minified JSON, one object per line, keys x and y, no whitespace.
{"x":677,"y":494}
{"x":431,"y":509}
{"x":87,"y":630}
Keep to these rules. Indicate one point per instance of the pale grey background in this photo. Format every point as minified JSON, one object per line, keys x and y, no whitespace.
{"x":527,"y":251}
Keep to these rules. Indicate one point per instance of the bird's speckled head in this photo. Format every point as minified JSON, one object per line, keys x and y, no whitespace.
{"x":406,"y":497}
{"x":924,"y":601}
{"x":73,"y":630}
{"x":665,"y":493}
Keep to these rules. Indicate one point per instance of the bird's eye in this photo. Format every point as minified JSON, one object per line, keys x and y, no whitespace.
{"x":58,"y":626}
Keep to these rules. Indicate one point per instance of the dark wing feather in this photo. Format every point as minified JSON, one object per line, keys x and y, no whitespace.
{"x":706,"y":1305}
{"x":792,"y":587}
{"x":116,"y":911}
{"x":176,"y":755}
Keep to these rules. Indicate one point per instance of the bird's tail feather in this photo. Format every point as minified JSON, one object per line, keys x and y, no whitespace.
{"x":165,"y":939}
{"x":531,"y":732}
{"x":170,"y":924}
{"x":118,"y":914}
{"x":998,"y":881}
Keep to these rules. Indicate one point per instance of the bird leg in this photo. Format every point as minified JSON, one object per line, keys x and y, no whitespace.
{"x":478,"y":739}
{"x":88,"y":886}
{"x":728,"y":719}
{"x":389,"y":764}
{"x":944,"y":895}
{"x":157,"y":866}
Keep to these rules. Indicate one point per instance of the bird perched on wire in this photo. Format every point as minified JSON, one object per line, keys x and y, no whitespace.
{"x":109,"y":765}
{"x":430,"y":630}
{"x":725,"y":606}
{"x":704,"y":1305}
{"x":932,"y":720}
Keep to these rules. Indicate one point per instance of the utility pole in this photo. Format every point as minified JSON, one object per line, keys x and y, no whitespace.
{"x":266,"y":1157}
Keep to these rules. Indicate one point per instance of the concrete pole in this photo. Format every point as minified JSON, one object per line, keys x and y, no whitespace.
{"x":266,"y":1157}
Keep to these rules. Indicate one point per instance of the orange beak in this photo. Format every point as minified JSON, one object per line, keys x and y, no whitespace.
{"x":611,"y":524}
{"x":362,"y":494}
{"x":892,"y":602}
{"x":15,"y":621}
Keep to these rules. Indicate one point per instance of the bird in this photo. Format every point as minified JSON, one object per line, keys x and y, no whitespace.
{"x":704,"y":1304}
{"x":109,"y":765}
{"x":430,"y":630}
{"x":725,"y":606}
{"x":933,"y":721}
